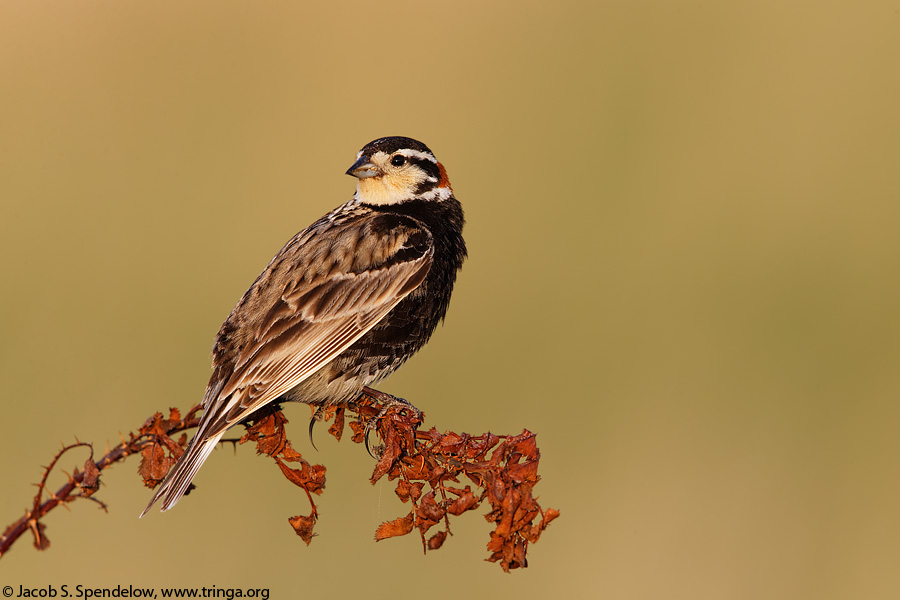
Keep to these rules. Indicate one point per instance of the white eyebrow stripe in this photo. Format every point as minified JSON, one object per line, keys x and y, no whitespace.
{"x":416,"y":154}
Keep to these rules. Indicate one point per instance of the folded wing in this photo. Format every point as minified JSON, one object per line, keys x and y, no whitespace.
{"x":317,"y":297}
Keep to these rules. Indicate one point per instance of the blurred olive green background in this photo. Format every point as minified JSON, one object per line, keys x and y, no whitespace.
{"x":683,"y":274}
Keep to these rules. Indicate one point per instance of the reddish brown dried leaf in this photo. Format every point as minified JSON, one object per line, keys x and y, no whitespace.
{"x":312,"y":479}
{"x":402,"y":490}
{"x":268,"y":434}
{"x":154,"y":465}
{"x":437,"y":540}
{"x":526,"y":444}
{"x":337,"y":428}
{"x":533,"y":533}
{"x":428,"y":513}
{"x":41,"y":542}
{"x":522,"y":524}
{"x":524,"y":472}
{"x":399,"y":526}
{"x":160,"y":427}
{"x":316,"y":477}
{"x":390,"y":454}
{"x":289,"y":454}
{"x":505,"y":523}
{"x":519,"y":561}
{"x":438,"y":475}
{"x":452,"y":443}
{"x":90,"y":481}
{"x":496,"y":543}
{"x":303,"y":526}
{"x":512,"y":555}
{"x":171,"y":445}
{"x":432,"y":435}
{"x":414,"y":467}
{"x":152,"y":425}
{"x":478,"y":447}
{"x":406,"y":490}
{"x":466,"y":501}
{"x":295,"y":476}
{"x":359,"y":432}
{"x":476,"y":477}
{"x":506,"y":554}
{"x":549,"y":515}
{"x":496,"y":489}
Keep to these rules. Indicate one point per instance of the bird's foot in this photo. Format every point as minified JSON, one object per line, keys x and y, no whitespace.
{"x":387,"y":402}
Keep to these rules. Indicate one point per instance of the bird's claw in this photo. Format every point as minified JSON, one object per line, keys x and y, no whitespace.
{"x":317,"y":416}
{"x":387,"y":403}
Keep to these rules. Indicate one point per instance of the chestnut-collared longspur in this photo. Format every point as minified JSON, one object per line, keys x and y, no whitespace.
{"x":342,"y":305}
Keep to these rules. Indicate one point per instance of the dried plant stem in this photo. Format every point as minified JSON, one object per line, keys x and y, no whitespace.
{"x":72,"y":489}
{"x":428,"y":466}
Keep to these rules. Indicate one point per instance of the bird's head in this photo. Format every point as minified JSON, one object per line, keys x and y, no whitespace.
{"x":392,"y":170}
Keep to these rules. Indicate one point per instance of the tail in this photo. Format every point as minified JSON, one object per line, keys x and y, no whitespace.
{"x":180,"y":476}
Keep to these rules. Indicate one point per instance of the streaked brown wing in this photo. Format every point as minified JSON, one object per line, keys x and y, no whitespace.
{"x":314,"y":313}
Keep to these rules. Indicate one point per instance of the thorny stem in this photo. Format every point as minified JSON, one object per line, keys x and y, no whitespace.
{"x":504,"y":467}
{"x":66,"y":494}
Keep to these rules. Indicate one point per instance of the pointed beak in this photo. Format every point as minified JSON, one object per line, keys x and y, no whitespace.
{"x":362,"y":168}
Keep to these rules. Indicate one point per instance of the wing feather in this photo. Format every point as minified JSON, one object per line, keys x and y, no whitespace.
{"x":316,"y":334}
{"x":326,"y":288}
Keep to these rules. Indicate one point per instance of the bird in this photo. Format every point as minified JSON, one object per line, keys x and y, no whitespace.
{"x":342,"y":305}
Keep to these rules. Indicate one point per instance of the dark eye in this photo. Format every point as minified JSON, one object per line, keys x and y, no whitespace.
{"x":398,"y":161}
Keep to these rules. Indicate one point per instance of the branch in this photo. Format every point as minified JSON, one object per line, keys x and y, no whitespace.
{"x":82,"y":484}
{"x":428,"y":466}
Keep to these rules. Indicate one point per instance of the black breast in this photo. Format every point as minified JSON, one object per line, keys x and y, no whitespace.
{"x":409,"y":325}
